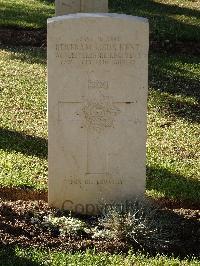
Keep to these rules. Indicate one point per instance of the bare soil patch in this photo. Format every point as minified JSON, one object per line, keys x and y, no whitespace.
{"x":17,"y":228}
{"x":26,"y":194}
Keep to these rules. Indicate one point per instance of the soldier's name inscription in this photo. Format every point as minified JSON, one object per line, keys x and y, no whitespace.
{"x":100,"y":50}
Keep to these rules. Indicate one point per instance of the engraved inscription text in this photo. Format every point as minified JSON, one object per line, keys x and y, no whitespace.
{"x":98,"y":51}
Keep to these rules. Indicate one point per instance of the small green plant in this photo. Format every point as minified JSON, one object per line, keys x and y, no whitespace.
{"x":66,"y":225}
{"x":139,"y":225}
{"x":102,"y":233}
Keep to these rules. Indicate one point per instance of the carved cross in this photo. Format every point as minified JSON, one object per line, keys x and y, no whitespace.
{"x":98,"y":115}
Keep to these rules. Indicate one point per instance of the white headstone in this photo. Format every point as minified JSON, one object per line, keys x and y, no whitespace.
{"x":97,"y":105}
{"x":64,"y":7}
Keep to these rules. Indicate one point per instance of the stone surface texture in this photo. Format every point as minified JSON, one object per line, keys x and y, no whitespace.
{"x":98,"y":6}
{"x":97,"y":106}
{"x":64,"y":7}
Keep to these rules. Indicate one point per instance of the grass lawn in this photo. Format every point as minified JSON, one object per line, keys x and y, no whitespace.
{"x":23,"y":123}
{"x":173,"y":123}
{"x":34,"y":257}
{"x":30,"y":14}
{"x":169,"y":19}
{"x":173,"y":147}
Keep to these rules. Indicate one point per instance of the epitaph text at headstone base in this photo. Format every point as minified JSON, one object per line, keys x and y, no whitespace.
{"x":97,"y":105}
{"x":64,"y":7}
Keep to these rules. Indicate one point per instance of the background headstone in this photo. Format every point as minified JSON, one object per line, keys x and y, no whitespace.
{"x":97,"y":105}
{"x":64,"y":7}
{"x":94,"y":6}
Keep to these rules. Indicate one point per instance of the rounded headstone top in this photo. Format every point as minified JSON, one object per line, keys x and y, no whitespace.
{"x":97,"y":15}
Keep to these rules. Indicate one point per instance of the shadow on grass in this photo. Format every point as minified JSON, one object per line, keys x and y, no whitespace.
{"x":47,"y":1}
{"x":31,"y":55}
{"x":19,"y":142}
{"x":8,"y":257}
{"x":177,"y":107}
{"x":17,"y":15}
{"x":175,"y":75}
{"x":162,"y":24}
{"x":177,"y":234}
{"x":154,"y":7}
{"x":173,"y":186}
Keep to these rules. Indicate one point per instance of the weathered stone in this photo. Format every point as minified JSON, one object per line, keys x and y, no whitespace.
{"x":94,"y":6}
{"x":64,"y":7}
{"x":97,"y":105}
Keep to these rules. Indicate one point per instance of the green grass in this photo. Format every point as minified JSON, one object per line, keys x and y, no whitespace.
{"x":173,"y":123}
{"x":30,"y":14}
{"x":34,"y":257}
{"x":169,"y":20}
{"x":173,"y":166}
{"x":23,"y":125}
{"x":173,"y":147}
